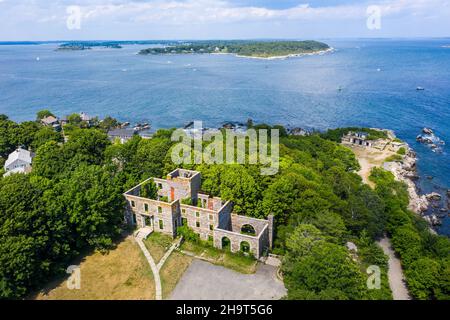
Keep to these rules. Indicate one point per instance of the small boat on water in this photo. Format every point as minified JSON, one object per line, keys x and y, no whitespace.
{"x":420,"y":88}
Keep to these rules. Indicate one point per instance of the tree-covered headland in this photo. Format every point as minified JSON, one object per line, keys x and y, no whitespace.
{"x":72,"y":201}
{"x":260,"y":49}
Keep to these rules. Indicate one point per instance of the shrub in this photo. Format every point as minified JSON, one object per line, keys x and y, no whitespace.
{"x":394,"y":158}
{"x":188,"y":234}
{"x":423,"y":278}
{"x":402,"y":151}
{"x":186,"y":201}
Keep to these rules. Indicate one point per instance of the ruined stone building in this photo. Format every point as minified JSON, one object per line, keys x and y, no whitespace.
{"x":357,"y":138}
{"x":180,"y":202}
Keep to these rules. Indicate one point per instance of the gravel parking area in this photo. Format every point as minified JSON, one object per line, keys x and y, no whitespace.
{"x":205,"y":281}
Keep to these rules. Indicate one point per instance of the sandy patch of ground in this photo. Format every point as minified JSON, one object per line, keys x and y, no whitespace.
{"x":368,"y":159}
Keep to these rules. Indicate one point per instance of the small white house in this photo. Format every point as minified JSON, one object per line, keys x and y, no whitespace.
{"x":18,"y":162}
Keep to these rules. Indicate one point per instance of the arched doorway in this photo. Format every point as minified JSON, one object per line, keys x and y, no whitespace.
{"x":248,"y":230}
{"x":245,"y":247}
{"x":226,"y":243}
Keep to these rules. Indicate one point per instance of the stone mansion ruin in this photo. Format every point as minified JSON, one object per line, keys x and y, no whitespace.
{"x":180,"y":202}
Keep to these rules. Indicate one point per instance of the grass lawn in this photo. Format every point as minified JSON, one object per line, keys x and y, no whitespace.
{"x":158,"y":244}
{"x":174,"y":267}
{"x":122,"y":273}
{"x":172,"y":271}
{"x":236,"y":262}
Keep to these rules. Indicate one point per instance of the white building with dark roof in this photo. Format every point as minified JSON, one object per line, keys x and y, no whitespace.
{"x":18,"y":162}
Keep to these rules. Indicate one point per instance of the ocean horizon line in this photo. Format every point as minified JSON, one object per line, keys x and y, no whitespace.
{"x":221,"y":39}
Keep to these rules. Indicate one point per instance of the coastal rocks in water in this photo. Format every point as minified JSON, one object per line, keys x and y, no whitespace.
{"x":409,"y":162}
{"x":405,"y":171}
{"x":413,"y":176}
{"x":430,"y":139}
{"x":434,"y":196}
{"x":424,"y":139}
{"x":433,"y":220}
{"x":441,"y":215}
{"x":418,"y":204}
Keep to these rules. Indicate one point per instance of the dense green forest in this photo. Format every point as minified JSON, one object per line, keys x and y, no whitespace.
{"x":73,"y":201}
{"x":264,"y":49}
{"x":425,"y":257}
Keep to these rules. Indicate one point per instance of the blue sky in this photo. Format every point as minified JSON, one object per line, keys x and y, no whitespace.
{"x":221,"y":19}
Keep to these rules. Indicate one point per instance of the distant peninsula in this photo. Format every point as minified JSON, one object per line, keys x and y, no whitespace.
{"x":87,"y":45}
{"x":249,"y":49}
{"x":77,"y":46}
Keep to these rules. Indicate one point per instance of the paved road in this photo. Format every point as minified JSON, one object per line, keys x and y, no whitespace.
{"x":205,"y":281}
{"x":395,"y":273}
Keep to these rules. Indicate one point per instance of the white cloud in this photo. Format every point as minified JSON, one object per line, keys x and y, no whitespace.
{"x":220,"y":11}
{"x":184,"y":14}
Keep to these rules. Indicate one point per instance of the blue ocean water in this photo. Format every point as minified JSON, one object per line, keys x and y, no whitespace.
{"x":378,"y":80}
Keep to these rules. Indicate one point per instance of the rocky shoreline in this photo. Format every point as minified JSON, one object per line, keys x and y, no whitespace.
{"x":427,"y":206}
{"x":293,"y":55}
